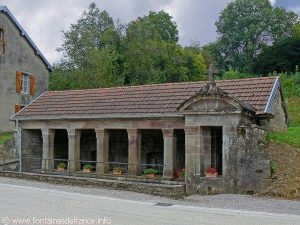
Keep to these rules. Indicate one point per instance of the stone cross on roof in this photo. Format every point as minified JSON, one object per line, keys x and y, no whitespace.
{"x":211,"y":73}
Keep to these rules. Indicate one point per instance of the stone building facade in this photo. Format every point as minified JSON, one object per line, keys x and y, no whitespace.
{"x":193,"y":126}
{"x":24,"y":71}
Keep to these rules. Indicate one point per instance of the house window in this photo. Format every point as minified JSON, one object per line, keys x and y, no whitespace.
{"x":25,"y":83}
{"x":2,"y":42}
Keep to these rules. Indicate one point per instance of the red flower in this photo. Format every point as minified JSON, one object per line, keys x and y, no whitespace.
{"x":211,"y":170}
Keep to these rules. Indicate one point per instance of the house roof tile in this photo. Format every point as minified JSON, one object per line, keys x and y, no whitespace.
{"x":157,"y":100}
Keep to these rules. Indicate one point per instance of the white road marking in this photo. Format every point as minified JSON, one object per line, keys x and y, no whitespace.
{"x":199,"y":208}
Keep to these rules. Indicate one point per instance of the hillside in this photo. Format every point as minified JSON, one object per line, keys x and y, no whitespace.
{"x":286,"y":178}
{"x":284,"y":149}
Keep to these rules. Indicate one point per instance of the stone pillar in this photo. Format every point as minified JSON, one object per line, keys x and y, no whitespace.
{"x":48,"y":149}
{"x":230,"y":161}
{"x":134,"y":151}
{"x":102,"y":166}
{"x":170,"y":142}
{"x":74,"y":149}
{"x":192,"y":157}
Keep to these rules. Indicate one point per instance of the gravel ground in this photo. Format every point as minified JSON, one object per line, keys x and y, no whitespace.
{"x":229,"y":201}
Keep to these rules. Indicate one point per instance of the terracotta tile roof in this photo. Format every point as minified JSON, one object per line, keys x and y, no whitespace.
{"x":157,"y":100}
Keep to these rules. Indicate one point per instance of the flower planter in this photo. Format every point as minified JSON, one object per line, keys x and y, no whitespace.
{"x":211,"y":174}
{"x":86,"y":170}
{"x":117,"y":173}
{"x":151,"y":175}
{"x":60,"y":169}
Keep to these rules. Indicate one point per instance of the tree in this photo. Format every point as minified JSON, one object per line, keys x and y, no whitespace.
{"x":245,"y":27}
{"x":283,"y":56}
{"x":154,"y":26}
{"x":152,"y":54}
{"x":99,"y":54}
{"x":91,"y":53}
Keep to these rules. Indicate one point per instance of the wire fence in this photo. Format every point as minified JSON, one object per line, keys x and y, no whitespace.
{"x":81,"y":168}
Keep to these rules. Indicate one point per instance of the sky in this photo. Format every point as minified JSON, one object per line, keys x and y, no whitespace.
{"x":44,"y":20}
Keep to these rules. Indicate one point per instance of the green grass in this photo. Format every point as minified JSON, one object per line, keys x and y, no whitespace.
{"x":293,"y":108}
{"x":5,"y":137}
{"x":292,"y":137}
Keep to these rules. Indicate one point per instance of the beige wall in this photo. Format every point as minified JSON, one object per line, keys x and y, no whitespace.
{"x":19,"y":57}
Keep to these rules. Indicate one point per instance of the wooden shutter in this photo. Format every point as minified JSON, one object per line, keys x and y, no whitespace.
{"x":18,"y":82}
{"x":17,"y":108}
{"x":32,"y":85}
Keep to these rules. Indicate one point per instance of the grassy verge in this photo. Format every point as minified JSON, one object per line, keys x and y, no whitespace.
{"x":293,"y":108}
{"x":5,"y":137}
{"x":292,"y":137}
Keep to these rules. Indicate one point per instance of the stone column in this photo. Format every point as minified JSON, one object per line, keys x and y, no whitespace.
{"x":230,"y":162}
{"x":192,"y":156}
{"x":102,"y":166}
{"x":169,"y":153}
{"x":48,"y":149}
{"x":74,"y":149}
{"x":134,"y":151}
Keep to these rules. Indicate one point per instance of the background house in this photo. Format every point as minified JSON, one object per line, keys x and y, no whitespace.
{"x":24,"y":71}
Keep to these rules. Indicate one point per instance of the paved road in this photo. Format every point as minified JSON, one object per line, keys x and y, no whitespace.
{"x":39,"y":205}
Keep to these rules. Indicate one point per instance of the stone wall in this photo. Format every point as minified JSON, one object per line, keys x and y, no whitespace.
{"x":32,"y":149}
{"x":19,"y":56}
{"x":279,"y":122}
{"x":247,"y":165}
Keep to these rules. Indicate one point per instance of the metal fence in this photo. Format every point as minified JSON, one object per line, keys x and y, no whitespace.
{"x":80,"y":168}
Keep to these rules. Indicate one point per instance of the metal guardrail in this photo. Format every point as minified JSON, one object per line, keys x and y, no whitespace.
{"x":79,"y":168}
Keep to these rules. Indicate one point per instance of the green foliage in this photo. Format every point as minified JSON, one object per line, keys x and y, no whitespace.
{"x":150,"y":171}
{"x":155,"y":26}
{"x":290,"y":84}
{"x":291,"y":137}
{"x":283,"y":56}
{"x":152,"y":54}
{"x":234,"y":74}
{"x":94,"y":30}
{"x":91,"y":54}
{"x":153,"y":61}
{"x":118,"y":169}
{"x":61,"y":165}
{"x":293,"y":108}
{"x":87,"y":166}
{"x":5,"y":137}
{"x":245,"y":27}
{"x":273,"y":167}
{"x":97,"y":53}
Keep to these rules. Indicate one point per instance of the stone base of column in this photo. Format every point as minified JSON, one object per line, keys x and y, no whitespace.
{"x":47,"y":164}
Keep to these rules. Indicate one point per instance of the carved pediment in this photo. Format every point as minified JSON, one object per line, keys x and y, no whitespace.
{"x":211,"y":99}
{"x":213,"y":105}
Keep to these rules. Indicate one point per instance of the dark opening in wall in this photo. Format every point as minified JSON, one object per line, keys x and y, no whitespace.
{"x":211,"y":149}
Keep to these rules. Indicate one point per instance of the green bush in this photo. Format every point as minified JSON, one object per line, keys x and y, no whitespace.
{"x":5,"y":137}
{"x":150,"y":171}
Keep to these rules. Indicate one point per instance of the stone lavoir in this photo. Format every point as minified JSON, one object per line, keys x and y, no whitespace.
{"x":193,"y":126}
